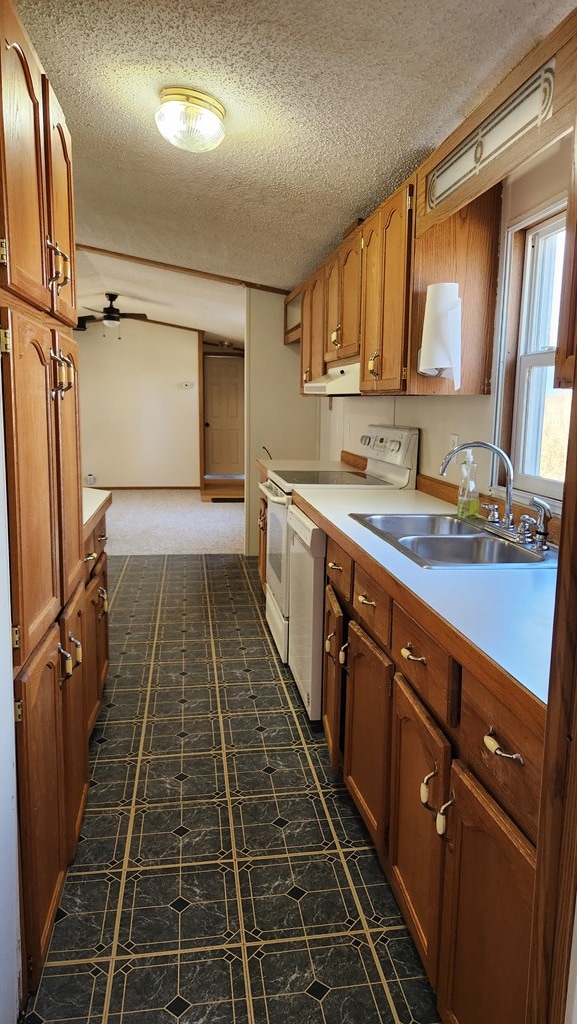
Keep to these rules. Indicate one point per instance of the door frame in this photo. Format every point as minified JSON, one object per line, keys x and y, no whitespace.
{"x":223,"y":488}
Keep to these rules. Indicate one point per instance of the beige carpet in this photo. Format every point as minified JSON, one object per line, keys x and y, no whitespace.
{"x":172,"y":522}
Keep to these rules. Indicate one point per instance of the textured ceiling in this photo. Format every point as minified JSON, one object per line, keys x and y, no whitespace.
{"x":330,"y":105}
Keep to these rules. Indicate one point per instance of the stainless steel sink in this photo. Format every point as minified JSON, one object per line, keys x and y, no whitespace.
{"x":446,"y":542}
{"x":420,"y":525}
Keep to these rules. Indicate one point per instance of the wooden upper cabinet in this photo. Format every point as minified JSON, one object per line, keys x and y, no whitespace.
{"x":312,"y":327}
{"x":463,"y":248}
{"x":343,"y":300}
{"x":61,"y":255}
{"x":23,"y":265}
{"x":385,"y":276}
{"x":29,"y":382}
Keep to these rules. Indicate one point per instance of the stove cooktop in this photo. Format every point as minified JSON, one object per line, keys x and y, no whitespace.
{"x":332,"y":477}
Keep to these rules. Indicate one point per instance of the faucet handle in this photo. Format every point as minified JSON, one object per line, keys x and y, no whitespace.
{"x":492,"y":512}
{"x":543,"y":513}
{"x":524,"y":529}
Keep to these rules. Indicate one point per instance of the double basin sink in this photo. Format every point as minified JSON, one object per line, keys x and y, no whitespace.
{"x":444,"y":541}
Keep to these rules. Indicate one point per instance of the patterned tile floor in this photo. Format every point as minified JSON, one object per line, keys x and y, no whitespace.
{"x":223,"y":876}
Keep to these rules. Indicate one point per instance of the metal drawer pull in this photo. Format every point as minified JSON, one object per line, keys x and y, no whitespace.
{"x":424,"y":789}
{"x":67,"y":658}
{"x":102,"y":537}
{"x":335,"y":567}
{"x":363,"y":599}
{"x":91,"y":556}
{"x":441,"y":819}
{"x":78,"y":646}
{"x":492,"y":743}
{"x":342,"y":654}
{"x":328,"y":643}
{"x":406,"y":653}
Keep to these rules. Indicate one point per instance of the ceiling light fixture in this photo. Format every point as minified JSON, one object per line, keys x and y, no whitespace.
{"x":190,"y":120}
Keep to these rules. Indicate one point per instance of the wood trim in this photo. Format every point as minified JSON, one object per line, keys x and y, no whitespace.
{"x":174,"y":268}
{"x":556,"y":882}
{"x":358,"y":461}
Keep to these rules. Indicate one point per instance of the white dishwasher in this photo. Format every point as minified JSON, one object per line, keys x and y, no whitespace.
{"x":307,"y":545}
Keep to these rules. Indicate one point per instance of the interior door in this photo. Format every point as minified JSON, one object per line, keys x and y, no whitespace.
{"x":223,"y":416}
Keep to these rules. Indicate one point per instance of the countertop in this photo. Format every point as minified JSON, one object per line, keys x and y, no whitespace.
{"x":507,"y":613}
{"x":94,"y":501}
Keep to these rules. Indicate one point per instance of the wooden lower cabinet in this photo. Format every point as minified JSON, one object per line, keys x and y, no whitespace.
{"x":367,"y":732}
{"x":420,"y":767}
{"x":74,"y":732}
{"x":40,"y":769}
{"x":262,"y":525}
{"x":487,"y":909}
{"x":333,"y":689}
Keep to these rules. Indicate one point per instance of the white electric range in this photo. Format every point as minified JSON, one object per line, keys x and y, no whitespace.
{"x":391,"y":454}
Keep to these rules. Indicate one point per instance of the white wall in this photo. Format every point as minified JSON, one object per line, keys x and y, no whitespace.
{"x":9,"y":895}
{"x":277,"y":416}
{"x":139,"y":426}
{"x":437,"y":417}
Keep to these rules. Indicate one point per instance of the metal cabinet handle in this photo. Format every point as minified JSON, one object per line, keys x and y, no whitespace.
{"x":492,"y":743}
{"x":306,"y":375}
{"x":102,"y":593}
{"x":343,"y":655}
{"x":424,"y":787}
{"x":336,"y":336}
{"x":91,"y":557}
{"x":406,"y":654}
{"x":67,"y":659}
{"x":328,"y":642}
{"x":363,"y":599}
{"x":371,"y":365}
{"x":335,"y":567}
{"x":78,"y":646}
{"x":441,"y":819}
{"x":102,"y":537}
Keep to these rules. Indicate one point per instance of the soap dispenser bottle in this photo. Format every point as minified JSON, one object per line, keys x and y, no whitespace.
{"x":468,"y":495}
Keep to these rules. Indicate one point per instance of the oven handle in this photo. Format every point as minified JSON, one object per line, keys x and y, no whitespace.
{"x":284,"y":500}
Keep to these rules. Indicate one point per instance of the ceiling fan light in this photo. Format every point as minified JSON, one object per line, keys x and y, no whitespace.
{"x":190,"y":120}
{"x":111,"y":319}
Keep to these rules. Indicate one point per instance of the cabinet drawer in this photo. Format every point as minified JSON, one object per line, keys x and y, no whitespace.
{"x":372,"y":605}
{"x":432,"y":671}
{"x":339,"y":569}
{"x":515,"y":721}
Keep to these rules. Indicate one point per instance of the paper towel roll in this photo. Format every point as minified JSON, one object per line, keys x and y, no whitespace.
{"x":440,"y":352}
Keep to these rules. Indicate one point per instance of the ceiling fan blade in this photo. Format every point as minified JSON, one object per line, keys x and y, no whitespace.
{"x":83,"y":320}
{"x":133,"y":316}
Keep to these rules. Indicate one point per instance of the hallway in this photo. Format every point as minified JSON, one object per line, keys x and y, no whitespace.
{"x":223,"y":876}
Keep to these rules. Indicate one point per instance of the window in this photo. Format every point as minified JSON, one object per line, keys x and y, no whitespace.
{"x":537,"y":422}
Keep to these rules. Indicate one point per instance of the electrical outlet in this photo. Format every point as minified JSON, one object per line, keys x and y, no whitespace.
{"x":453,"y":441}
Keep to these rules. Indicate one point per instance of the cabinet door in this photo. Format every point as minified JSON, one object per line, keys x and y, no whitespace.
{"x":371,"y":303}
{"x":29,"y":386}
{"x":40,"y":796}
{"x":488,"y":902}
{"x":68,"y":460}
{"x":367,"y":732}
{"x":420,"y":757}
{"x":312,"y":328}
{"x":343,"y":293}
{"x":23,"y":270}
{"x":97,"y":659}
{"x":74,"y":734}
{"x":102,"y":657}
{"x":60,"y":208}
{"x":333,"y":702}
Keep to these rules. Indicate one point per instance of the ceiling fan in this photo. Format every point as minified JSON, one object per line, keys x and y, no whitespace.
{"x":111,"y":315}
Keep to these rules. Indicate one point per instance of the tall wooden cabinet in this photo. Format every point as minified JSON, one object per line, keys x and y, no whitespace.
{"x":40,"y":401}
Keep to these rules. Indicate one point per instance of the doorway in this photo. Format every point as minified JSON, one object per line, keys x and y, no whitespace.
{"x":222,"y":427}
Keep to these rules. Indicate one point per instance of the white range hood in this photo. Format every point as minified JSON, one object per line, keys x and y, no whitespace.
{"x":338,"y":380}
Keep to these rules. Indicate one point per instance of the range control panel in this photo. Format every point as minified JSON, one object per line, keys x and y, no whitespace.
{"x":391,"y":449}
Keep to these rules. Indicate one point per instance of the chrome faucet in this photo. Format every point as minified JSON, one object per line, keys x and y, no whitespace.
{"x":508,"y":516}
